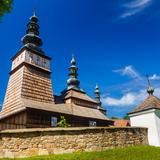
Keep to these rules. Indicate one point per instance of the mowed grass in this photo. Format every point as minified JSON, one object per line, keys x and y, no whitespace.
{"x":128,"y":153}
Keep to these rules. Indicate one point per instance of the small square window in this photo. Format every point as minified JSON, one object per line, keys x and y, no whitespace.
{"x":53,"y":121}
{"x":92,"y":123}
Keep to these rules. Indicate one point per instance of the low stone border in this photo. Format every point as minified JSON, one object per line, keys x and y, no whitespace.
{"x":31,"y":142}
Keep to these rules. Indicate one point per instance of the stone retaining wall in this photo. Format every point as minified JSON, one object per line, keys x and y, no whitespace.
{"x":31,"y":142}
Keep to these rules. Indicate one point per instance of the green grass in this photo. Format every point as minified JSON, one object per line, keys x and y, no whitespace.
{"x":128,"y":153}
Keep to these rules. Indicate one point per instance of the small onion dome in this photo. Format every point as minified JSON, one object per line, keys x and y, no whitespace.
{"x":73,"y":82}
{"x":97,"y":89}
{"x":73,"y":61}
{"x":34,"y":18}
{"x":32,"y":32}
{"x":150,"y":90}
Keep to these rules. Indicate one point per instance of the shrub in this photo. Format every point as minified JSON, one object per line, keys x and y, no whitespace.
{"x":62,"y":122}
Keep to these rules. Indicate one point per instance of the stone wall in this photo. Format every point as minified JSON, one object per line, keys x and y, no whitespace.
{"x":31,"y":142}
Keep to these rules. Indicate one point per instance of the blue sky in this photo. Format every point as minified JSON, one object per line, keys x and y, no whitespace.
{"x":116,"y":44}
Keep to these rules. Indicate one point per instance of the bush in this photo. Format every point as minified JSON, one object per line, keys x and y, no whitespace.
{"x":62,"y":122}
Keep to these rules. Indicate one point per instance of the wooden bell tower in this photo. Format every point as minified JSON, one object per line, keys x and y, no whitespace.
{"x":30,"y":76}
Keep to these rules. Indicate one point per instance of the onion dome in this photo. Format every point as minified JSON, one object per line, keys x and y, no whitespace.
{"x":150,"y":89}
{"x":97,"y":95}
{"x":32,"y":33}
{"x":73,"y":82}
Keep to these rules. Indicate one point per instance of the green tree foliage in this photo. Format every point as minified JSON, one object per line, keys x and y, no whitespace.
{"x":62,"y":122}
{"x":5,"y":7}
{"x":114,"y":117}
{"x":126,"y":117}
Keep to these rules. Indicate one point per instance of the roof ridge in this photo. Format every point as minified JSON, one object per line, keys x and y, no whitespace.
{"x":151,"y":102}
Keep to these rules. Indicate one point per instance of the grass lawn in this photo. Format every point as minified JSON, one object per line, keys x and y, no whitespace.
{"x":128,"y":153}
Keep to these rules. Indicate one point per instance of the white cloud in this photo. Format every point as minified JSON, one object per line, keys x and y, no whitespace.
{"x":128,"y":99}
{"x":137,"y":3}
{"x":133,"y":92}
{"x":128,"y":71}
{"x":134,"y":7}
{"x":157,"y":92}
{"x":130,"y":13}
{"x":154,"y":77}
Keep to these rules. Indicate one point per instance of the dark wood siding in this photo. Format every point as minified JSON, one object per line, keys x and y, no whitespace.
{"x":37,"y":118}
{"x":16,"y":121}
{"x":33,"y":118}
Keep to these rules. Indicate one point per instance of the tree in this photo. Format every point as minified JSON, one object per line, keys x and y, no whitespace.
{"x":126,"y":117}
{"x":62,"y":122}
{"x":5,"y":7}
{"x":114,"y":117}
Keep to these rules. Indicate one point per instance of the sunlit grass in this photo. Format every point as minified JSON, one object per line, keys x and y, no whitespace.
{"x":128,"y":153}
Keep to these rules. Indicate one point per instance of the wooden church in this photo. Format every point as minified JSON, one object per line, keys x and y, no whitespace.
{"x":29,"y":100}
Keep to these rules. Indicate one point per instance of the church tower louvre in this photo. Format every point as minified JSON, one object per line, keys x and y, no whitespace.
{"x":30,"y":76}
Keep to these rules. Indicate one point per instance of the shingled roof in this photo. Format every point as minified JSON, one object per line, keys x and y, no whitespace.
{"x":151,"y":102}
{"x":121,"y":122}
{"x":79,"y":95}
{"x":70,"y":109}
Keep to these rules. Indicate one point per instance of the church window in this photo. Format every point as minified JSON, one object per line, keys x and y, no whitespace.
{"x":37,"y":60}
{"x":92,"y":124}
{"x":44,"y":62}
{"x":31,"y":58}
{"x":53,"y":121}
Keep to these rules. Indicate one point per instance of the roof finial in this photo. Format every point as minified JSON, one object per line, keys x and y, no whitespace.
{"x":34,"y":10}
{"x":72,"y":52}
{"x":97,"y":87}
{"x":97,"y":94}
{"x":150,"y":89}
{"x":73,"y":61}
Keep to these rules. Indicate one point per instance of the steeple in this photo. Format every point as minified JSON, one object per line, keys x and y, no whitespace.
{"x":73,"y":82}
{"x":30,"y":73}
{"x":32,"y":33}
{"x":97,"y":95}
{"x":150,"y":89}
{"x":98,"y":100}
